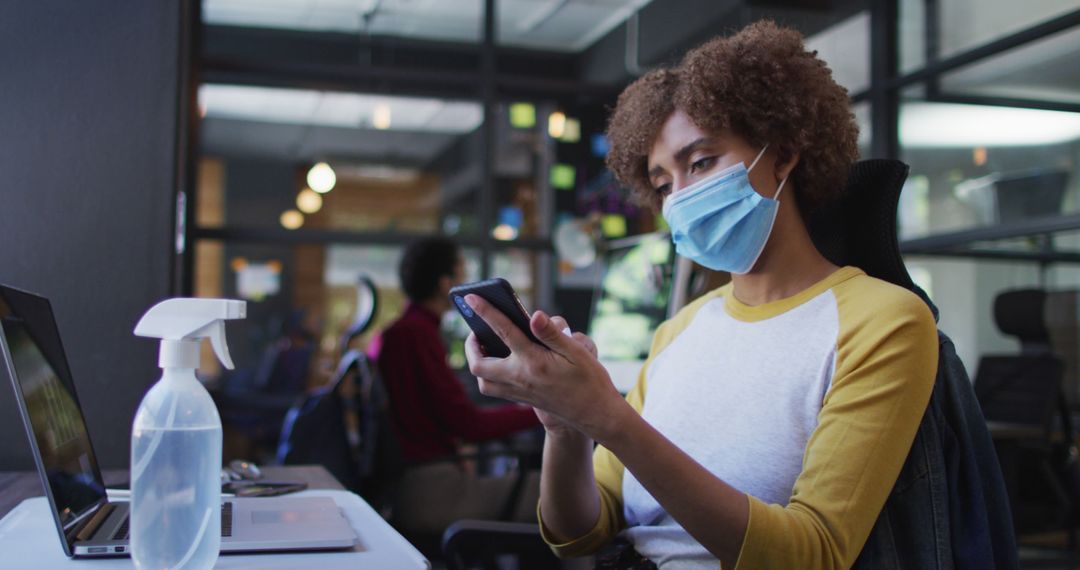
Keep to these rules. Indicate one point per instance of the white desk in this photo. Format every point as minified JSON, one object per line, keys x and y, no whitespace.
{"x":28,"y":539}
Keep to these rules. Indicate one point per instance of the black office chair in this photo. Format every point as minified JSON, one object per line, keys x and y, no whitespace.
{"x":1022,"y":395}
{"x":1021,"y":389}
{"x":861,"y":230}
{"x":337,"y":425}
{"x":469,"y":544}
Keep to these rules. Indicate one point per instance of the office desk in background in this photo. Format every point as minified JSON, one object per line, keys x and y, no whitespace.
{"x":29,"y":537}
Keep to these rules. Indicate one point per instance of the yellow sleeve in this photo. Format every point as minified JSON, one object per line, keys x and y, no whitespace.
{"x":886,"y":363}
{"x":606,"y":467}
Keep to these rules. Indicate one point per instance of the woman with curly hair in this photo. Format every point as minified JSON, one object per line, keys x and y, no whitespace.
{"x":773,"y":415}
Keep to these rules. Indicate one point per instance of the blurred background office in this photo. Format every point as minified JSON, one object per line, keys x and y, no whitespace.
{"x":285,"y":152}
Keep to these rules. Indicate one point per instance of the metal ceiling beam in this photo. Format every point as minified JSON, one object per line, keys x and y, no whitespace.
{"x":326,"y":237}
{"x":1009,"y":42}
{"x":993,"y":100}
{"x":950,"y":242}
{"x":335,"y":76}
{"x":995,"y":255}
{"x":326,"y":60}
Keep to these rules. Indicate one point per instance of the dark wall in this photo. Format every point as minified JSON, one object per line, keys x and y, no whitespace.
{"x":88,"y":110}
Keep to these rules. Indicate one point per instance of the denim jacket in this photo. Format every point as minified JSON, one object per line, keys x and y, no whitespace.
{"x":949,"y":508}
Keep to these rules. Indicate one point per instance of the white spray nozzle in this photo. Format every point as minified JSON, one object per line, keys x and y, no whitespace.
{"x":186,"y":319}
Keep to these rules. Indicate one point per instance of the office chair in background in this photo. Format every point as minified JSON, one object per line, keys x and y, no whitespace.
{"x":337,"y":425}
{"x":1022,"y":395}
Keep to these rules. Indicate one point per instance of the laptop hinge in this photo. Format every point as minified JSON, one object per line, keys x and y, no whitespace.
{"x":84,"y":526}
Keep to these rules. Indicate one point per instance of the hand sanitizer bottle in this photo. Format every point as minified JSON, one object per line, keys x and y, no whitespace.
{"x":176,"y":441}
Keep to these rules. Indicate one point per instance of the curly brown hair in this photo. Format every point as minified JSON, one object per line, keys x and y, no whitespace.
{"x":764,"y":86}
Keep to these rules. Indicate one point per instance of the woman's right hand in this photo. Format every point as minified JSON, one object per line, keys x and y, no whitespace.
{"x":566,"y":379}
{"x":554,"y":425}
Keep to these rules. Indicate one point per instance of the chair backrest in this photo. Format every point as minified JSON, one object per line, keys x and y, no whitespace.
{"x":1022,"y":388}
{"x":474,"y":543}
{"x":1022,"y":313}
{"x":314,"y":432}
{"x":860,"y":228}
{"x":336,"y":425}
{"x":1019,"y":389}
{"x":367,"y":309}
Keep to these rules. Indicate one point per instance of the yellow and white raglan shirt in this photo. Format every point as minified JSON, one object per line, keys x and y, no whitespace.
{"x":809,"y":405}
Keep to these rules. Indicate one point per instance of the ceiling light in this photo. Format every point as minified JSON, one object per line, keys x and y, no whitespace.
{"x":321,"y":178}
{"x":339,"y":109}
{"x":291,"y":219}
{"x":556,"y":125}
{"x":380,"y":118}
{"x":942,"y":125}
{"x":309,"y":201}
{"x":380,"y":172}
{"x":978,"y":156}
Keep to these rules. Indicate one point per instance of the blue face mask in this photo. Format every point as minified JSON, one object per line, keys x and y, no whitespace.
{"x":721,"y":222}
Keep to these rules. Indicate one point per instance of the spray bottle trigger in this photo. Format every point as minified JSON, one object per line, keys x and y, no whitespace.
{"x":217,"y":341}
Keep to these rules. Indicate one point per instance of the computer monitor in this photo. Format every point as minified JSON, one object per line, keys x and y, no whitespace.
{"x":629,"y":303}
{"x":1033,"y":194}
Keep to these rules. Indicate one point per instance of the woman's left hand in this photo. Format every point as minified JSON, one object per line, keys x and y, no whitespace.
{"x":565,"y":379}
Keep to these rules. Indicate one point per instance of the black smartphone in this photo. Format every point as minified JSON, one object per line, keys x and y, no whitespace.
{"x":500,"y":295}
{"x":261,"y":489}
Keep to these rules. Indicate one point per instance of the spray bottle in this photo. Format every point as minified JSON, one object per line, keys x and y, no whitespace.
{"x":176,"y":440}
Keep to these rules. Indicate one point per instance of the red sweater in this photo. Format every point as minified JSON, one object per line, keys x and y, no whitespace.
{"x":428,"y":404}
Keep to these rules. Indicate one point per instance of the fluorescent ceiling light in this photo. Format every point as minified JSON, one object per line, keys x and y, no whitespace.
{"x":378,"y":172}
{"x":381,"y":117}
{"x":337,"y":109}
{"x":945,"y":125}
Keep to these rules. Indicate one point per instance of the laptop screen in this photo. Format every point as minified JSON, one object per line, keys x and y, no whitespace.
{"x":50,"y":408}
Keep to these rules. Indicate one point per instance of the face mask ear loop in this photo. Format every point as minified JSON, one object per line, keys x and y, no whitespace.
{"x":780,"y":188}
{"x":759,"y":155}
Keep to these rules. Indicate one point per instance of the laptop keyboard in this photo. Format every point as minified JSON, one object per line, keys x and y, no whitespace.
{"x":123,"y":532}
{"x":226,"y":520}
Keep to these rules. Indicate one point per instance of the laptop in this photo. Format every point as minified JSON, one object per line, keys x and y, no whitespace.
{"x":88,"y":522}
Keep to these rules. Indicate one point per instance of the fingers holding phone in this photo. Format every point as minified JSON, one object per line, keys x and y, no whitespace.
{"x":581,"y":338}
{"x":544,"y":366}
